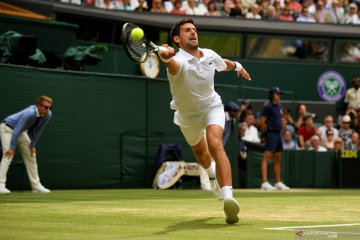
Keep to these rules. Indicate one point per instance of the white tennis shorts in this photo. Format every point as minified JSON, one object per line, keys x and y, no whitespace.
{"x":194,"y":127}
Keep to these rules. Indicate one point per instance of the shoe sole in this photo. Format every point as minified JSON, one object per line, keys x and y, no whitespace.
{"x":231,"y":209}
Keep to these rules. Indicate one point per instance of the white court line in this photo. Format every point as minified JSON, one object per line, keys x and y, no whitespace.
{"x":314,"y":226}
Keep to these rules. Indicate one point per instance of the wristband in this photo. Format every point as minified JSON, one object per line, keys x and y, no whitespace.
{"x":164,"y":60}
{"x":238,"y":66}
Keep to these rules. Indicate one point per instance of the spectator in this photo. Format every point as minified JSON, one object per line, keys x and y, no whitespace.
{"x":352,"y":16}
{"x":247,"y":4}
{"x":321,"y":15}
{"x":286,"y":126}
{"x":305,"y":17}
{"x":315,"y":144}
{"x":277,"y":6}
{"x":106,"y":4}
{"x":286,"y":15}
{"x":264,"y":5}
{"x":169,"y":5}
{"x":328,"y":125}
{"x":228,"y":5}
{"x":245,"y":106}
{"x":203,"y":6}
{"x":295,"y":6}
{"x":271,"y":128}
{"x":75,"y":2}
{"x":242,"y":155}
{"x":212,"y":11}
{"x":254,"y":12}
{"x":271,"y":14}
{"x":251,"y":133}
{"x":141,"y":7}
{"x":337,"y":12}
{"x":328,"y":140}
{"x":178,"y":8}
{"x":288,"y":142}
{"x":191,"y":8}
{"x":345,"y":131}
{"x":123,"y":5}
{"x":231,"y":114}
{"x":353,"y":144}
{"x":157,"y":7}
{"x":301,"y":112}
{"x":242,"y":148}
{"x":338,"y":144}
{"x":286,"y":114}
{"x":352,"y":96}
{"x":310,"y":5}
{"x":306,"y":131}
{"x":238,"y":10}
{"x":23,"y":129}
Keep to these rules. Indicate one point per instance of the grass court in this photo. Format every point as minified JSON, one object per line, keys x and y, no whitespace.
{"x":179,"y":214}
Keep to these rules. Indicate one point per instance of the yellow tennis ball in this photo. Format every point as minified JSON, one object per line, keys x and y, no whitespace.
{"x":137,"y":33}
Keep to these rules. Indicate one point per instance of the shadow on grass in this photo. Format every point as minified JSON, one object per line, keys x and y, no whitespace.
{"x":196,"y":224}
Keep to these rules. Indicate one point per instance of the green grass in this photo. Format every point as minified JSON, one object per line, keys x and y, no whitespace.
{"x":171,"y":214}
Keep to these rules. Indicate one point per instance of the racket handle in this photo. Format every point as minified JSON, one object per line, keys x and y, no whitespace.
{"x":162,"y":49}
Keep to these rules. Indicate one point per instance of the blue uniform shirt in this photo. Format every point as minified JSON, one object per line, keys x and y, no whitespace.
{"x":273,"y":113}
{"x":22,"y":121}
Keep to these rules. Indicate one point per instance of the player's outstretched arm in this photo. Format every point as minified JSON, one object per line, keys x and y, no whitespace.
{"x":171,"y":64}
{"x":235,"y":66}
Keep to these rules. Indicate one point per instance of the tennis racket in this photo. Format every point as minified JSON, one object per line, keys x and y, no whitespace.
{"x":138,"y":50}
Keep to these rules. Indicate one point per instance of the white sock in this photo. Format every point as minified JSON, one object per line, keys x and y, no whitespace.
{"x":211,"y":171}
{"x":227,"y":191}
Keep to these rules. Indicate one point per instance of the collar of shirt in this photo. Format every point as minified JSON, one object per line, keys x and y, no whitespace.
{"x":187,"y":55}
{"x":37,"y":112}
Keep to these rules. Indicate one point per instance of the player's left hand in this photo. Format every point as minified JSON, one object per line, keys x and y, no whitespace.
{"x":244,"y":74}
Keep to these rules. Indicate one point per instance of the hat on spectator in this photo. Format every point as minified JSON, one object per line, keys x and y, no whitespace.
{"x":353,"y":5}
{"x":346,"y":119}
{"x":232,"y":106}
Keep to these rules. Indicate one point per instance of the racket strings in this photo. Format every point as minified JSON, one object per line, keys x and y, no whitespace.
{"x":137,"y":49}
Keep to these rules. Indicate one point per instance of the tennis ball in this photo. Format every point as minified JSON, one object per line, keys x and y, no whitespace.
{"x":137,"y":33}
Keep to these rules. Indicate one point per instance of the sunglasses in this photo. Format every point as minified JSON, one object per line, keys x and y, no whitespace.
{"x":46,"y":107}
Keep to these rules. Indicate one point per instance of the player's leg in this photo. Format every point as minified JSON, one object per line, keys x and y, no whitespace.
{"x":194,"y":136}
{"x":216,"y":149}
{"x":223,"y":172}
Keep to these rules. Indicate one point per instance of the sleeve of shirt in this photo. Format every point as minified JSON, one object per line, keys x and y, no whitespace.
{"x":346,"y":99}
{"x":21,"y":125}
{"x":265,"y":112}
{"x":220,"y":63}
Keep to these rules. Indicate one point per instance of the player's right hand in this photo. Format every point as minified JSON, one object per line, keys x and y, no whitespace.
{"x":169,"y":53}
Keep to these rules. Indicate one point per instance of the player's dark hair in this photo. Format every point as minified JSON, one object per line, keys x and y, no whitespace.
{"x":175,"y":30}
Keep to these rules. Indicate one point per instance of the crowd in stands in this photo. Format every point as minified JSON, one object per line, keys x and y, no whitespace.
{"x":301,"y":132}
{"x":311,"y":11}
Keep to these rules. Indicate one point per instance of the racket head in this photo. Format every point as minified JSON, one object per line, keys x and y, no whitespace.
{"x":138,"y":50}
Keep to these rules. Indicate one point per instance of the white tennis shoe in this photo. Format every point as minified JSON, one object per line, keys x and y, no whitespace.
{"x":4,"y":190}
{"x":215,"y":187}
{"x":40,"y":189}
{"x":281,"y":186}
{"x":266,"y":186}
{"x":231,"y":210}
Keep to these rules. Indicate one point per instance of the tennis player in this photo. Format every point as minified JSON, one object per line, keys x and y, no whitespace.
{"x":199,"y":111}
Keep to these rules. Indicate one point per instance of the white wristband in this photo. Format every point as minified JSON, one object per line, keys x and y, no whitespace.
{"x":238,"y":66}
{"x":164,"y":60}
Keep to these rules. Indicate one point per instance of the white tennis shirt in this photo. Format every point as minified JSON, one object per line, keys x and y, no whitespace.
{"x":192,"y":88}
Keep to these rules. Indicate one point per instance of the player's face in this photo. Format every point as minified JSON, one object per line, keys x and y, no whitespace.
{"x":188,"y":37}
{"x":44,"y":108}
